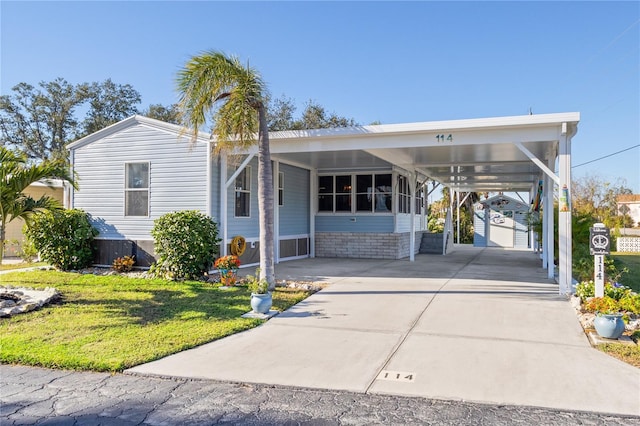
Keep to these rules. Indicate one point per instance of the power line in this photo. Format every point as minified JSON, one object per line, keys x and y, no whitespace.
{"x":606,"y":156}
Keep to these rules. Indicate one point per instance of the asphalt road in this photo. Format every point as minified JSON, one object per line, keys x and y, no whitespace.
{"x":53,"y":397}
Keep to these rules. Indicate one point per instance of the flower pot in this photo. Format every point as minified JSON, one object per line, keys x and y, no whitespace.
{"x":261,"y":303}
{"x":609,"y":326}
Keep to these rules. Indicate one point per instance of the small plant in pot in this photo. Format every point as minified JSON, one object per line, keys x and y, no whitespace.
{"x":261,"y":300}
{"x":618,"y":305}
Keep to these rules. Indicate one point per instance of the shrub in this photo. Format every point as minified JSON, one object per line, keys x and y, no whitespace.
{"x":64,"y":238}
{"x":631,"y":303}
{"x":185,"y":244}
{"x":27,"y":250}
{"x":615,"y":291}
{"x":585,"y":289}
{"x":123,"y":264}
{"x":604,"y":305}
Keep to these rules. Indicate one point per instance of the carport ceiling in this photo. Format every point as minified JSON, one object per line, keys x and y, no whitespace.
{"x":468,"y":155}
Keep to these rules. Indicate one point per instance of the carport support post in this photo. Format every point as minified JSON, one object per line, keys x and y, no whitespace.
{"x":548,"y":240}
{"x":564,"y":210}
{"x":412,"y":209}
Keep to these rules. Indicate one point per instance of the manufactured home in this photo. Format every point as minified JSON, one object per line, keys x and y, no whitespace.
{"x":351,"y":192}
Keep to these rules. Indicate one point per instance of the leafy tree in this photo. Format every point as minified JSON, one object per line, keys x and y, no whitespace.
{"x":280,"y":113}
{"x":15,"y":176}
{"x":280,"y":116}
{"x":213,"y":85}
{"x":595,"y":197}
{"x":168,"y":114}
{"x":41,"y":121}
{"x":109,"y":103}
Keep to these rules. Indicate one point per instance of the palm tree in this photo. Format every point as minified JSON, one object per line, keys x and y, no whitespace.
{"x":214,"y":85}
{"x":15,"y":176}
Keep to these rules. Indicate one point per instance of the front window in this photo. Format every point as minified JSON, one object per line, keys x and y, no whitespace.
{"x":136,"y":199}
{"x":372,"y":193}
{"x":243,"y":193}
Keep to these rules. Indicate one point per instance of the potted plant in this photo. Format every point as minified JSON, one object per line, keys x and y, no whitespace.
{"x":228,"y":267}
{"x":609,"y":324}
{"x":609,"y":310}
{"x":261,"y":300}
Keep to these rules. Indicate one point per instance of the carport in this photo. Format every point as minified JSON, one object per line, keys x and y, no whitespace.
{"x":499,"y":154}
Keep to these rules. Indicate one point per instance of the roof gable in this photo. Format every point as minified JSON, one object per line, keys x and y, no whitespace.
{"x":134,"y":120}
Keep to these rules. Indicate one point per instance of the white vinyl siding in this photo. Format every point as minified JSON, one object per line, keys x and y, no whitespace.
{"x":177,"y":178}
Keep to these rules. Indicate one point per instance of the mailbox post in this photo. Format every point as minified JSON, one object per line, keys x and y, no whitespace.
{"x":599,"y":247}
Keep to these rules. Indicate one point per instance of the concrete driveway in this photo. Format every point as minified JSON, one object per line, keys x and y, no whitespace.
{"x":482,"y":325}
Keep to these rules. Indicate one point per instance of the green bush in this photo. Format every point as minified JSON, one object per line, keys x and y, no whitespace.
{"x":186,"y":243}
{"x":64,"y":238}
{"x":631,"y":303}
{"x":585,"y":289}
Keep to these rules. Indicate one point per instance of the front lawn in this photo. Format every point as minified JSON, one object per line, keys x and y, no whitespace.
{"x":21,"y":265}
{"x":110,"y":323}
{"x":632,"y":262}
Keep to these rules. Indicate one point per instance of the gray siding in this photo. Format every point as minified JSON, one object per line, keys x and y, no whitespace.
{"x":177,"y":179}
{"x":294,"y":214}
{"x":346,"y":223}
{"x":248,"y":227}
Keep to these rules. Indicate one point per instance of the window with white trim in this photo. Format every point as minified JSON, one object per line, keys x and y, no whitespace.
{"x":404,"y":196}
{"x":281,"y":188}
{"x":243,"y":193}
{"x":136,"y":189}
{"x":419,"y":200}
{"x":372,"y":193}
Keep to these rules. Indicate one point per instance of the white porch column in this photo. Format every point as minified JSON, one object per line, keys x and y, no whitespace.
{"x":276,"y":211}
{"x":412,"y":222}
{"x":550,"y":231}
{"x":223,"y":203}
{"x":564,"y":210}
{"x":313,"y":208}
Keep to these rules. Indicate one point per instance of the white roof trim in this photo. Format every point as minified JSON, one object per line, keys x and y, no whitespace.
{"x":132,"y":121}
{"x":430,"y":126}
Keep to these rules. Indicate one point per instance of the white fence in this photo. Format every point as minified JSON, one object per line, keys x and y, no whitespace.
{"x":628,"y":244}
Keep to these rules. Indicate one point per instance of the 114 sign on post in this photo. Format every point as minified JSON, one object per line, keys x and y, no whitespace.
{"x":599,"y":247}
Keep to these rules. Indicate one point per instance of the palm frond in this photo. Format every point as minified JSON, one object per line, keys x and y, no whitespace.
{"x":215,"y":86}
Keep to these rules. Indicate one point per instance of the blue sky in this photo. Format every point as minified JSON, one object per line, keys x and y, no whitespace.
{"x":388,"y":61}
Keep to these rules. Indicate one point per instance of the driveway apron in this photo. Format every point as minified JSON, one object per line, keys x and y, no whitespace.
{"x":482,"y":325}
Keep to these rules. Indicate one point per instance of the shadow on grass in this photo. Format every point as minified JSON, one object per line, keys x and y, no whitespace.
{"x":159,"y":305}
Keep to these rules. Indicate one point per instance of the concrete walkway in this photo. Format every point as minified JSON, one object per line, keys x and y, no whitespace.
{"x":482,"y":325}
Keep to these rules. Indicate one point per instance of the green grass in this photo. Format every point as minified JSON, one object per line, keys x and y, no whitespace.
{"x":632,"y":262}
{"x":11,"y":266}
{"x":110,"y":323}
{"x":627,"y":353}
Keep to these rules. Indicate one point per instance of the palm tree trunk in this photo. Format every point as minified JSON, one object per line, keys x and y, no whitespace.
{"x":2,"y":236}
{"x":265,"y":202}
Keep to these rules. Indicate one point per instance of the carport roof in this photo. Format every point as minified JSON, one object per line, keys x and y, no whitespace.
{"x":476,"y":155}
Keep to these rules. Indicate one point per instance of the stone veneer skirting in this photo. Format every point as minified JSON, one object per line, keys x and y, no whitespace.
{"x":365,"y":245}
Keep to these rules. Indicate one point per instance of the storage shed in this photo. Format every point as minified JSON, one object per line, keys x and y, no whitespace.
{"x":500,"y":221}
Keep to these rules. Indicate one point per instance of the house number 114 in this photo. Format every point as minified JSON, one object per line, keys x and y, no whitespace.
{"x":444,"y":138}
